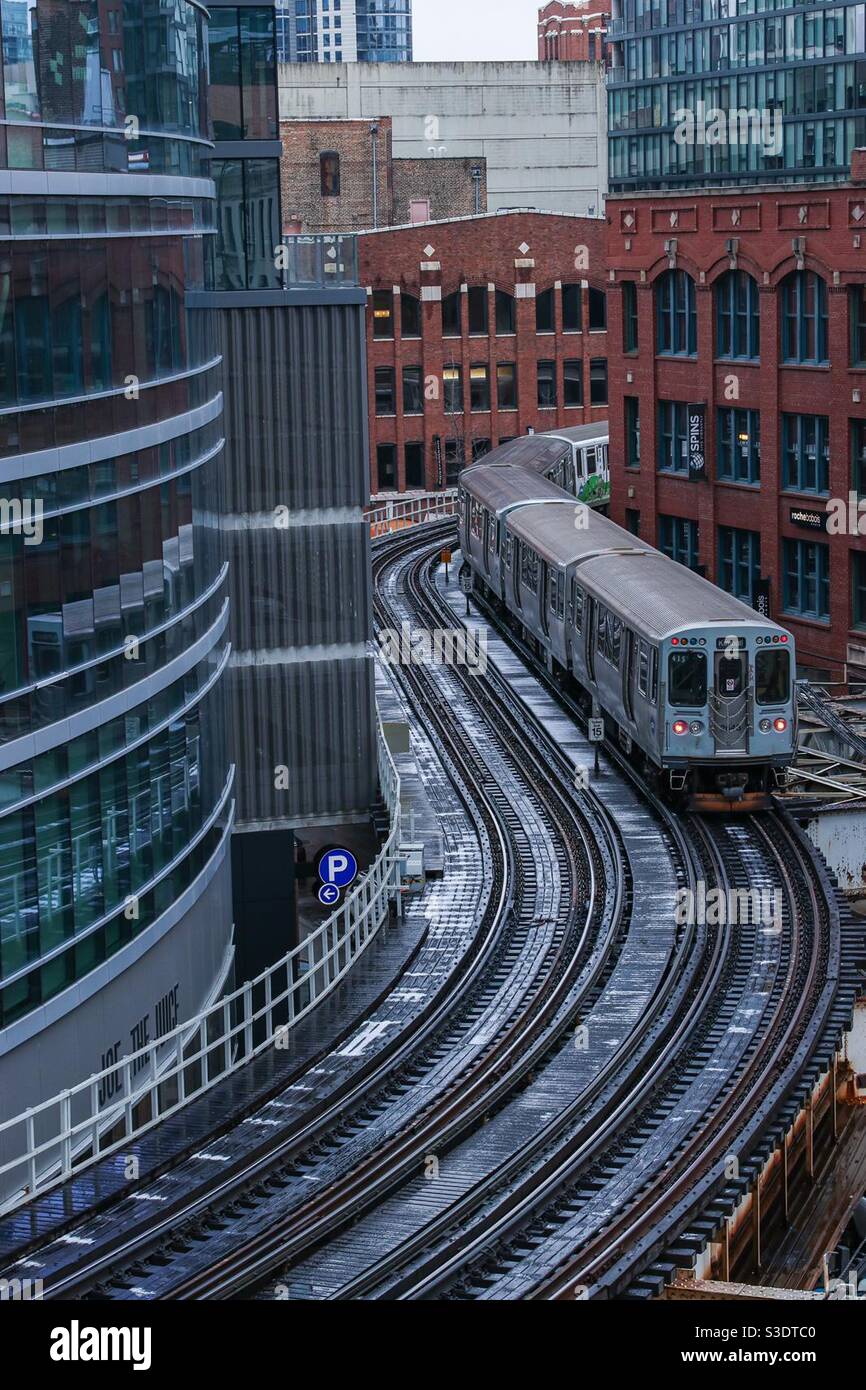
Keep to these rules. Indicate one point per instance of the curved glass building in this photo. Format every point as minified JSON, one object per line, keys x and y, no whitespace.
{"x":115,"y":777}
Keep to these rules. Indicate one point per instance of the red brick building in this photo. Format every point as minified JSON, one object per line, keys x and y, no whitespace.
{"x":341,"y":176}
{"x":478,"y":330}
{"x":738,"y":342}
{"x":572,"y":32}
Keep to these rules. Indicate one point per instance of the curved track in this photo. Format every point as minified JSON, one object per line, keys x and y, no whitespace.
{"x":570,"y":1101}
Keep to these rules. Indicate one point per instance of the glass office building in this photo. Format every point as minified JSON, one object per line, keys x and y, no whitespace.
{"x":723,"y":92}
{"x":384,"y":31}
{"x":115,"y":778}
{"x":245,"y":162}
{"x":344,"y":31}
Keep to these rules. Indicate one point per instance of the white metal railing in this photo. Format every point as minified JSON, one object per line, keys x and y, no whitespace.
{"x":387,"y":514}
{"x":45,"y":1144}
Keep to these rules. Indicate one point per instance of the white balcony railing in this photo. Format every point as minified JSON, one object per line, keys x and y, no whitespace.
{"x":46,"y":1144}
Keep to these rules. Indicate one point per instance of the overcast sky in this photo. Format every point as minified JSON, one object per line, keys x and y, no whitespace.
{"x":461,"y":29}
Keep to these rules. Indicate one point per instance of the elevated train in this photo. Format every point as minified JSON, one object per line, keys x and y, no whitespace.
{"x":690,"y":681}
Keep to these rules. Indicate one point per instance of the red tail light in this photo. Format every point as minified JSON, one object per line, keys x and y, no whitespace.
{"x":780,"y":725}
{"x":680,"y":727}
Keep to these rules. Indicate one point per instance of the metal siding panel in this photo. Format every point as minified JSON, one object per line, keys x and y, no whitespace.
{"x":296,"y":431}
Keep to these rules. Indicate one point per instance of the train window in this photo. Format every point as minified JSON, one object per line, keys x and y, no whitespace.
{"x":687,"y":680}
{"x":643,"y":670}
{"x":560,"y":601}
{"x":529,"y":569}
{"x":576,"y":614}
{"x":773,"y":678}
{"x":589,"y":461}
{"x":492,"y":529}
{"x":614,"y":632}
{"x":654,"y":676}
{"x":476,"y":518}
{"x":609,"y":636}
{"x":731,"y":675}
{"x":601,"y":629}
{"x":553,"y":592}
{"x":506,"y":552}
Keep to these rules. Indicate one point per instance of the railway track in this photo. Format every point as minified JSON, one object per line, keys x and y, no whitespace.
{"x":571,"y":1105}
{"x":552,"y":892}
{"x":763,"y":1002}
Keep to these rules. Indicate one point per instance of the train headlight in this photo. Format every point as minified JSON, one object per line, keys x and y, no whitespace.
{"x":696,"y":727}
{"x":766,"y":725}
{"x":681,"y":728}
{"x":780,"y":725}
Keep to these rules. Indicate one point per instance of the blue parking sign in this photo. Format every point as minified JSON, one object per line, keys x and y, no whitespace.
{"x":338,"y":867}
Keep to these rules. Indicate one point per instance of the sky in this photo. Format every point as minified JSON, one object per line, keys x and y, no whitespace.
{"x":465,"y":29}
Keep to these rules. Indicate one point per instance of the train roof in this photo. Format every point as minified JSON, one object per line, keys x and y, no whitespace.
{"x":501,"y":485}
{"x":580,"y":434}
{"x":660,"y":596}
{"x":656,"y":595}
{"x":552,"y":531}
{"x":535,"y":452}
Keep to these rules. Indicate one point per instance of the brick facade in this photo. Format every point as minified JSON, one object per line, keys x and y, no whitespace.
{"x":447,"y":185}
{"x":305,"y":209}
{"x":523,"y":254}
{"x":572,"y":32}
{"x":768,"y":234}
{"x":408,"y":189}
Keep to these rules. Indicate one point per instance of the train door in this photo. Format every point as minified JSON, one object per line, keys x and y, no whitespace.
{"x":629,"y":673}
{"x":515,"y":572}
{"x":547,"y":594}
{"x":489,"y":533}
{"x":729,"y":701}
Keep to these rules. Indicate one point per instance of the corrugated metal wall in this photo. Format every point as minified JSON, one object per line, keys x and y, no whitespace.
{"x":301,"y":682}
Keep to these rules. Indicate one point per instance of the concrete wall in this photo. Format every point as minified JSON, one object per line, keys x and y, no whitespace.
{"x":541,"y":127}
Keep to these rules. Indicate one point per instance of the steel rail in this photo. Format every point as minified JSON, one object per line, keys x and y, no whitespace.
{"x":505,"y":1063}
{"x":91,"y":1267}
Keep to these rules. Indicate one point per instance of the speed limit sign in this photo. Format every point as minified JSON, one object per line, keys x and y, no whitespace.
{"x":596,"y":731}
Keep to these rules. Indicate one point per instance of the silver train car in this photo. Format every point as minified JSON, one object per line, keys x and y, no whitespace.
{"x":584,"y":471}
{"x":689,"y":680}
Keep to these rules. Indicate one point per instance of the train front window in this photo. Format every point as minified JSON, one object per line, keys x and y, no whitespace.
{"x":773,"y":678}
{"x":687,"y":680}
{"x":731,"y":675}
